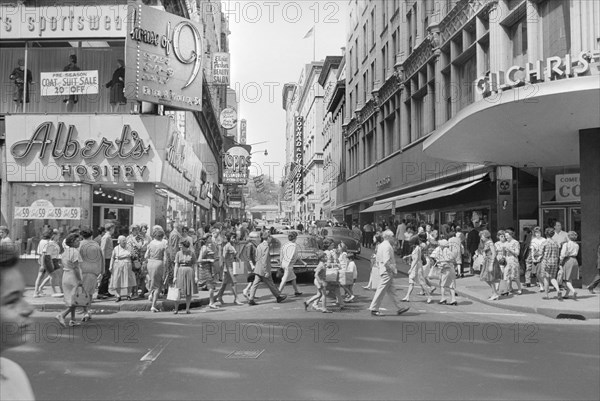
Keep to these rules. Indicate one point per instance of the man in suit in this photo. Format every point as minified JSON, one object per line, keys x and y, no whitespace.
{"x":262,"y":270}
{"x":386,"y":262}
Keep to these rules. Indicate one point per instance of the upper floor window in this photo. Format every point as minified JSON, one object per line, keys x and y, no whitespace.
{"x":518,"y":37}
{"x":556,"y":28}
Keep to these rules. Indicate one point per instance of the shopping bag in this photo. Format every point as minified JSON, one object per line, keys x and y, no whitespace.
{"x":173,"y":294}
{"x":434,"y":273}
{"x":80,"y":297}
{"x":239,"y":267}
{"x":478,"y":262}
{"x":332,"y":276}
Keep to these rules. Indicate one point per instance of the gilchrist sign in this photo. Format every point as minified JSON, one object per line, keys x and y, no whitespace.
{"x":298,"y":153}
{"x":236,"y":163}
{"x":163,"y":58}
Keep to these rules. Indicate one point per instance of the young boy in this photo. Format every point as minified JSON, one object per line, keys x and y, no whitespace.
{"x":321,"y":286}
{"x":351,"y":268}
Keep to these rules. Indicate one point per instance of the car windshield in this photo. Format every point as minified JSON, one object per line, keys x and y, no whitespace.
{"x":305,"y":243}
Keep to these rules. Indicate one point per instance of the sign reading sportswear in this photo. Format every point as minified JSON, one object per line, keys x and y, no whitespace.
{"x":164,"y":58}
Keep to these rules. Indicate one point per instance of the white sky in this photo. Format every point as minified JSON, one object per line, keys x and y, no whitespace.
{"x":268,"y":50}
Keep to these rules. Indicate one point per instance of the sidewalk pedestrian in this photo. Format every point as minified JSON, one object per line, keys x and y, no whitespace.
{"x":532,"y":262}
{"x":106,"y":246}
{"x":569,"y":267}
{"x":596,"y":281}
{"x":156,"y":257}
{"x":512,"y":250}
{"x":229,"y":255}
{"x":289,"y":256}
{"x":206,"y":259}
{"x":122,"y":277}
{"x":321,"y":287}
{"x":16,"y":318}
{"x":374,"y":277}
{"x":549,"y":263}
{"x":445,"y":258}
{"x":349,"y":288}
{"x":386,"y":262}
{"x":457,"y":248}
{"x":415,"y":273}
{"x":72,"y":278}
{"x":47,"y":247}
{"x":262,"y":270}
{"x":490,"y":270}
{"x":91,"y":266}
{"x":183,"y":274}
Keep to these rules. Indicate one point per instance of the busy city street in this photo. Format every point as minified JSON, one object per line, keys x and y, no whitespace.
{"x":280,"y":352}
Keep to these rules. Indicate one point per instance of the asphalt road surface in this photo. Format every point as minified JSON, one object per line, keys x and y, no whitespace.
{"x":281,"y":352}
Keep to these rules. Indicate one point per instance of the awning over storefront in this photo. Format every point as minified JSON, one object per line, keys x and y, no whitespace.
{"x":378,"y":208}
{"x":475,"y":177}
{"x":434,"y":195}
{"x":520,"y":128}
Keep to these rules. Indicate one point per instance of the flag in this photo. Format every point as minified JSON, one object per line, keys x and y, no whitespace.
{"x":309,"y":33}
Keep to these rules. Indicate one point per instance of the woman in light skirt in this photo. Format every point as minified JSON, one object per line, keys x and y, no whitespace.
{"x":185,"y":261}
{"x":156,"y":255}
{"x":569,"y":267}
{"x":91,"y":266}
{"x":122,"y":279}
{"x":71,"y":279}
{"x":490,"y":271}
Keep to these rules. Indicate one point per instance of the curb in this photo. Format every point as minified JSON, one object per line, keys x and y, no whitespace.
{"x":549,"y":312}
{"x":125,"y":306}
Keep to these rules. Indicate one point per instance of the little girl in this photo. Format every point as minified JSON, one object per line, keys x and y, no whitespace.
{"x":415,"y":274}
{"x":321,"y":286}
{"x":348,"y":288}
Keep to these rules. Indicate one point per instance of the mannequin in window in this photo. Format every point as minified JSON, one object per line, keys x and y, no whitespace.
{"x":117,"y":85}
{"x":72,"y":66}
{"x":18,"y":77}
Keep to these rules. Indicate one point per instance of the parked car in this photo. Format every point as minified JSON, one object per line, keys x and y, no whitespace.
{"x":340,"y":234}
{"x":308,"y":249}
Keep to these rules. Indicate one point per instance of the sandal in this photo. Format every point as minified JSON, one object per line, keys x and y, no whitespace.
{"x":86,"y":317}
{"x":74,"y":323}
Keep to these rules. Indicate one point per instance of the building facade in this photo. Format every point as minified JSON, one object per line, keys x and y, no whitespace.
{"x":448,"y":106}
{"x":83,"y":150}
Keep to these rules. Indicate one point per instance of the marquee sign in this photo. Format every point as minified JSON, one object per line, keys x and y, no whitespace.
{"x":298,"y":153}
{"x":164,"y":58}
{"x":236,"y":163}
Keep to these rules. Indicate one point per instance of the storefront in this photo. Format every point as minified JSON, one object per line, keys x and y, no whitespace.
{"x":67,"y":171}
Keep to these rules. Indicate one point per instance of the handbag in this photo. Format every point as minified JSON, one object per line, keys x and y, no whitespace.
{"x":80,"y":297}
{"x":47,"y":264}
{"x":434,"y":273}
{"x":478,"y":262}
{"x":173,"y":294}
{"x":238,"y":268}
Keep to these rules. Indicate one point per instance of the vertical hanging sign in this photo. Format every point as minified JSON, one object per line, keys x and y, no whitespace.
{"x":298,"y":153}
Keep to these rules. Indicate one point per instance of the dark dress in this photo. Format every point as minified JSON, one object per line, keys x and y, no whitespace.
{"x":72,"y":98}
{"x":185,"y":273}
{"x":116,"y":85}
{"x":18,"y":76}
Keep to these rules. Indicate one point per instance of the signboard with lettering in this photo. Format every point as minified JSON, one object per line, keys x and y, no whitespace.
{"x":69,"y":83}
{"x":20,"y":21}
{"x":228,"y":118}
{"x":568,"y":188}
{"x":42,"y":209}
{"x":220,"y":68}
{"x":243,"y":131}
{"x":236,"y":163}
{"x":298,"y":153}
{"x":83,"y":148}
{"x":164,"y":56}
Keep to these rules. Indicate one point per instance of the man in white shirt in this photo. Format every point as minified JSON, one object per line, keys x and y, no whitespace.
{"x":560,"y":237}
{"x":386,"y":262}
{"x":400,"y":231}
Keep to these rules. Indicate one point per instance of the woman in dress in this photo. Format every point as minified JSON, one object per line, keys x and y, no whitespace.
{"x":289,"y":256}
{"x":569,"y":269}
{"x":228,"y":256}
{"x":91,"y":266}
{"x":46,"y":247}
{"x":432,"y":244}
{"x":415,"y":273}
{"x":156,"y":256}
{"x":185,"y":260}
{"x":490,"y":271}
{"x":512,"y":250}
{"x":206,"y":259}
{"x":15,"y":312}
{"x":135,"y":245}
{"x":503,"y":287}
{"x":549,"y":263}
{"x":374,"y":277}
{"x":71,"y":260}
{"x":122,"y":279}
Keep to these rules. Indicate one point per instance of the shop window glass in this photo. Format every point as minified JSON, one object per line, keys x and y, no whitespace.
{"x":556,"y":28}
{"x":560,"y":184}
{"x":57,"y":206}
{"x":464,"y":219}
{"x":47,"y":57}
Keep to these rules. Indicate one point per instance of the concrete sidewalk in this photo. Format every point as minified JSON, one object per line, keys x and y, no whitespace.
{"x":530,"y":301}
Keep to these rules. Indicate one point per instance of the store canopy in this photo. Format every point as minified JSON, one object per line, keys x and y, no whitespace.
{"x":471,"y":178}
{"x":434,"y":195}
{"x":378,"y":208}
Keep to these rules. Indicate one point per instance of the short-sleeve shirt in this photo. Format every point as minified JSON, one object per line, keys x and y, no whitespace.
{"x":156,"y":250}
{"x":70,"y":258}
{"x":185,"y":258}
